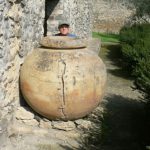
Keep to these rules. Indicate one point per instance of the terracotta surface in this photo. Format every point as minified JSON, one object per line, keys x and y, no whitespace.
{"x":62,"y":42}
{"x":63,"y":84}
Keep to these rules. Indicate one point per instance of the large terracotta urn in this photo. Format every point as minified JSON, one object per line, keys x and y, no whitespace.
{"x":63,"y":79}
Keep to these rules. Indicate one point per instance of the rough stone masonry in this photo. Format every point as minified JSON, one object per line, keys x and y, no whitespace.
{"x":21,"y":28}
{"x":78,"y":13}
{"x":111,"y":15}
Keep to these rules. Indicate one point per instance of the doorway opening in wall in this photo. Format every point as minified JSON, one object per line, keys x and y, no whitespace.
{"x":49,"y":7}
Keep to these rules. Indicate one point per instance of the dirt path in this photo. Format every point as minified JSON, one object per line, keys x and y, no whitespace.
{"x":122,"y":124}
{"x":124,"y":106}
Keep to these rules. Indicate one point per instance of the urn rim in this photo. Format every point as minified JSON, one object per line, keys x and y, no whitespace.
{"x":62,"y":42}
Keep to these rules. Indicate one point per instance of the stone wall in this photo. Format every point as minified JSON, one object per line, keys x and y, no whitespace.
{"x":22,"y":24}
{"x":21,"y":27}
{"x":111,"y":15}
{"x":77,"y":13}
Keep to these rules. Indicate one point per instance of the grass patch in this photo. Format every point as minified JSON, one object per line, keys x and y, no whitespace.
{"x":105,"y":37}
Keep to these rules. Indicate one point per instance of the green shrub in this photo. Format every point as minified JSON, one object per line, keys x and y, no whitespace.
{"x":135,"y":42}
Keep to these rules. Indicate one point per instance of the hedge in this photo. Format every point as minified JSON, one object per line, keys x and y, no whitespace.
{"x":135,"y":43}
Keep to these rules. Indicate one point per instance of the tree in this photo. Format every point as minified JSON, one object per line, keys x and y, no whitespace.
{"x":142,"y":9}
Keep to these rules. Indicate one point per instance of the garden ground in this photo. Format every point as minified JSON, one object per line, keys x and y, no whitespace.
{"x":122,"y":126}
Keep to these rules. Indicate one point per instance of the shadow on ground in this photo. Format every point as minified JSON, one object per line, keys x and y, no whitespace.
{"x":121,"y":128}
{"x":114,"y":55}
{"x":112,"y":52}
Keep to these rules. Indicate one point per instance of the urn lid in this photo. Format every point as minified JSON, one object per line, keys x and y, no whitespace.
{"x":62,"y":42}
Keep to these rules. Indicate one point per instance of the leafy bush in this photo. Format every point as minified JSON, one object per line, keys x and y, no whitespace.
{"x":142,"y":7}
{"x":135,"y":42}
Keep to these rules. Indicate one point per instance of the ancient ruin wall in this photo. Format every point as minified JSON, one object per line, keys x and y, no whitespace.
{"x":111,"y":15}
{"x":21,"y":27}
{"x":77,"y":13}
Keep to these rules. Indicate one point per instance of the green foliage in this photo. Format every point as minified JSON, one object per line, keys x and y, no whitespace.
{"x":135,"y":43}
{"x":105,"y":37}
{"x":142,"y":7}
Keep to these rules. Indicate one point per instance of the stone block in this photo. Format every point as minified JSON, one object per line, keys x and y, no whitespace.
{"x":2,"y":95}
{"x":2,"y":1}
{"x":1,"y":53}
{"x":31,"y":122}
{"x":58,"y":12}
{"x":23,"y":113}
{"x":83,"y":124}
{"x":61,"y":125}
{"x":15,"y":129}
{"x":45,"y":124}
{"x":53,"y":22}
{"x":59,"y":17}
{"x":94,"y":45}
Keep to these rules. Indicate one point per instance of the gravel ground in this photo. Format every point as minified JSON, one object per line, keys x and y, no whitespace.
{"x":122,"y":127}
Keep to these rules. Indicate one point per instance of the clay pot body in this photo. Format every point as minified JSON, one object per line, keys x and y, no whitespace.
{"x":63,"y":84}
